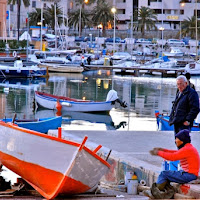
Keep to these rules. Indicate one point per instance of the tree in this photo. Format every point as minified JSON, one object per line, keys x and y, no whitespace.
{"x":146,"y":20}
{"x":74,"y":18}
{"x":18,"y":2}
{"x":35,"y":17}
{"x":102,"y":14}
{"x":49,"y":15}
{"x":188,"y":27}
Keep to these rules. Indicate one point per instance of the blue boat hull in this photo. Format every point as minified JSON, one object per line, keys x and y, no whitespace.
{"x":42,"y":125}
{"x":163,"y":124}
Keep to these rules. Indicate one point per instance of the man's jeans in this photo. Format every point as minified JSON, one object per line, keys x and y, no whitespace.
{"x":175,"y":176}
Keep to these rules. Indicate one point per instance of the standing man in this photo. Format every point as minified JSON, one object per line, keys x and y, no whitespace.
{"x":185,"y":107}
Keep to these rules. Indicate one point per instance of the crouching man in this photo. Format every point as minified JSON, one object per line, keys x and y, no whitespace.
{"x":189,"y":161}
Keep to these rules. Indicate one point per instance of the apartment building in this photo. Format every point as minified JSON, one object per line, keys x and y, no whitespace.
{"x":170,"y":13}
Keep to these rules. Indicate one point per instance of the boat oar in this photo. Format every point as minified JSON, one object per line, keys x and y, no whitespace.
{"x":14,"y":117}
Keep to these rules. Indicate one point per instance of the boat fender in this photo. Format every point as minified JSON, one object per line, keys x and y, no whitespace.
{"x":66,"y":104}
{"x":18,"y":70}
{"x":14,"y":54}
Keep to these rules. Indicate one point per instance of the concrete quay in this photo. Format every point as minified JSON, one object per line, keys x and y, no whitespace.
{"x":130,"y":152}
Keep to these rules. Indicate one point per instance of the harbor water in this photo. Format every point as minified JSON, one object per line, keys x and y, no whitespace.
{"x":143,"y":94}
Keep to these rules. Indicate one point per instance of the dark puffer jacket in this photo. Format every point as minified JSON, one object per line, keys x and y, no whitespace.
{"x":185,"y":107}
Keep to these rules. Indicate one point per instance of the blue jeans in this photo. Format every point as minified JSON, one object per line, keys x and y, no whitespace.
{"x":175,"y":176}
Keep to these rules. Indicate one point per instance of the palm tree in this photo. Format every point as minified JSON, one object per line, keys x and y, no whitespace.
{"x":188,"y":26}
{"x":146,"y":20}
{"x":18,"y":2}
{"x":35,"y":17}
{"x":102,"y":14}
{"x":49,"y":15}
{"x":74,"y":18}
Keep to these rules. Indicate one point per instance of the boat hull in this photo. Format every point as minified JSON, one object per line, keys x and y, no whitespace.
{"x":41,"y":125}
{"x":21,"y":72}
{"x":65,"y":68}
{"x":49,"y":102}
{"x":163,"y":124}
{"x":51,"y":165}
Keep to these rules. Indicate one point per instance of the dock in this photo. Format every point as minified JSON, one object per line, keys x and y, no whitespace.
{"x":137,"y":70}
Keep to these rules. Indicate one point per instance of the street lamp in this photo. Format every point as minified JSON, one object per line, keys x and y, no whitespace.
{"x":41,"y":25}
{"x":80,"y":16}
{"x":162,"y":29}
{"x":113,"y":10}
{"x":182,"y":4}
{"x":196,"y":58}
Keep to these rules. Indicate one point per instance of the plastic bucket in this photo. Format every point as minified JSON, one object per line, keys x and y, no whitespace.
{"x":128,"y":175}
{"x":132,"y":186}
{"x":165,"y":165}
{"x":173,"y":165}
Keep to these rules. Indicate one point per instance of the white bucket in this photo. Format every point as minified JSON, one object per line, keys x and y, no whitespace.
{"x":132,"y":186}
{"x":128,"y":175}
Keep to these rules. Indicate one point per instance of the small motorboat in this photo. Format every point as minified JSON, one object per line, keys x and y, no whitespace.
{"x":50,"y":101}
{"x":163,"y":123}
{"x":21,"y":69}
{"x":51,"y":165}
{"x":193,"y":68}
{"x":41,"y":125}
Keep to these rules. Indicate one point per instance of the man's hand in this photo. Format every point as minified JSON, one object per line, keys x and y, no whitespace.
{"x":186,"y":123}
{"x":154,"y":151}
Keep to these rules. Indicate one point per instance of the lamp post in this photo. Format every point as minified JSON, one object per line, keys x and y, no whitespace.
{"x":80,"y":15}
{"x":113,"y":10}
{"x":41,"y":25}
{"x":196,"y":58}
{"x":162,"y":29}
{"x":182,"y":4}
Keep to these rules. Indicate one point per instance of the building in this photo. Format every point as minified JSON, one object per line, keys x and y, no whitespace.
{"x":170,"y":13}
{"x":3,"y":16}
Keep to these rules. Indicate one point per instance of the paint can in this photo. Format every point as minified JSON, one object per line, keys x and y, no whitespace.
{"x":128,"y":175}
{"x":132,"y":186}
{"x":173,"y":165}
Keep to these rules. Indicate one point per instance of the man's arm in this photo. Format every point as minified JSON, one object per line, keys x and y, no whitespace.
{"x":193,"y":106}
{"x":179,"y":154}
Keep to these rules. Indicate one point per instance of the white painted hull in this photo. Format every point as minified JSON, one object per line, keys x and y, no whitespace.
{"x":51,"y":165}
{"x":193,"y":68}
{"x":63,"y":68}
{"x":88,"y":106}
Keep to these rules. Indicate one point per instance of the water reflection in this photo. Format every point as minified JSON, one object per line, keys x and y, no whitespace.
{"x":143,"y":94}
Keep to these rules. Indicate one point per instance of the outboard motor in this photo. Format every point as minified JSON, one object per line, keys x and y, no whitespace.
{"x":112,"y":96}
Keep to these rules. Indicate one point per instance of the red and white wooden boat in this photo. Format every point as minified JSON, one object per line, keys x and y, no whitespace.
{"x":50,"y":101}
{"x":50,"y":164}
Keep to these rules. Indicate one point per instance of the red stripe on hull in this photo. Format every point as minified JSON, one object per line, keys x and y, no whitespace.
{"x":47,"y":182}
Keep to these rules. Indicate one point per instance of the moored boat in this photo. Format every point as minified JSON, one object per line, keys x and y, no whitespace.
{"x":41,"y":125}
{"x":163,"y":123}
{"x":50,"y":164}
{"x":20,"y":69}
{"x":69,"y":104}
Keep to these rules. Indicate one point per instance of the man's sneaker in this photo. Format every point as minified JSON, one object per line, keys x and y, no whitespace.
{"x":147,"y":193}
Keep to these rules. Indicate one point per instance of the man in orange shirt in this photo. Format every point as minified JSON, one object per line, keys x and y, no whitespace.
{"x":189,"y":161}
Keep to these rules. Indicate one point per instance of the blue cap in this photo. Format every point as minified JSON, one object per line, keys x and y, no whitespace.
{"x":184,"y":136}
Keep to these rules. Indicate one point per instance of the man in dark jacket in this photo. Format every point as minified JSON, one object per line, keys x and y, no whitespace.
{"x":185,"y":107}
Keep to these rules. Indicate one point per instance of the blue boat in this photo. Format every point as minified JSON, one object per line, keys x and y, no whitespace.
{"x":163,"y":123}
{"x":41,"y":125}
{"x":22,"y":70}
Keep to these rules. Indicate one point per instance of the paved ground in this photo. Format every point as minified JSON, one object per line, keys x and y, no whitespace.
{"x":131,"y":144}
